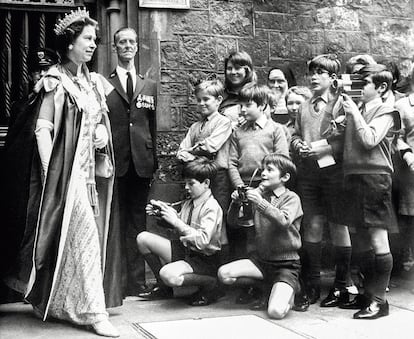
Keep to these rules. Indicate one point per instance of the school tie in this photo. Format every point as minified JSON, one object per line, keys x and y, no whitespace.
{"x":130,"y":86}
{"x":190,"y":213}
{"x":203,"y":123}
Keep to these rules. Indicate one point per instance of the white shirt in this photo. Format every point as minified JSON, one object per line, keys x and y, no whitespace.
{"x":122,"y":75}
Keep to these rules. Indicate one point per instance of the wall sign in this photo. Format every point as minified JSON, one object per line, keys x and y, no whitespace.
{"x":182,"y":4}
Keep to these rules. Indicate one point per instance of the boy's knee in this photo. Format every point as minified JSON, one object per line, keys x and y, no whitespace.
{"x":142,"y":241}
{"x":224,"y":275}
{"x":169,"y":278}
{"x":278,"y":311}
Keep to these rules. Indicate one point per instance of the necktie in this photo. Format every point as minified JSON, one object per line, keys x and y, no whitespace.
{"x":190,"y":213}
{"x":203,"y":123}
{"x":130,"y":87}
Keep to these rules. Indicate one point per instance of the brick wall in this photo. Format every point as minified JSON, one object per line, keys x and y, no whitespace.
{"x":193,"y":44}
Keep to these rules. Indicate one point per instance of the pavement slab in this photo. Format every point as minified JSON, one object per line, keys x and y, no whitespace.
{"x":18,"y":322}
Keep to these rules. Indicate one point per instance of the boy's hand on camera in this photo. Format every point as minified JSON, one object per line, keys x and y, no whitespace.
{"x":235,"y":197}
{"x":169,"y":214}
{"x":254,"y":195}
{"x":349,"y":105}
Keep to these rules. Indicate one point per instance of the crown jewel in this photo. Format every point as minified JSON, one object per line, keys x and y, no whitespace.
{"x":70,"y":18}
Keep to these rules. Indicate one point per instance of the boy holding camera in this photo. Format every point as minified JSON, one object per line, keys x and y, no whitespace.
{"x":368,"y":168}
{"x":277,"y":217}
{"x":193,"y":259}
{"x":257,"y":137}
{"x":320,"y":186}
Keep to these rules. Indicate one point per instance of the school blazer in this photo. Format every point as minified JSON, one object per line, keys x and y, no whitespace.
{"x":133,"y":126}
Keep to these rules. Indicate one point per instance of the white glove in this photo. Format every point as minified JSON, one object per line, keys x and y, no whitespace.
{"x":43,"y":134}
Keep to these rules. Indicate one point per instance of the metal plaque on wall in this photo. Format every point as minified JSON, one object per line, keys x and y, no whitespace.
{"x":177,"y":4}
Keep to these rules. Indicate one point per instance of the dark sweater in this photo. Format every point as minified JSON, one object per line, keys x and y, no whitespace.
{"x":277,"y":223}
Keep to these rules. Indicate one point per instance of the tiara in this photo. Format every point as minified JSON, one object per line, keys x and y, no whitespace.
{"x":70,"y":18}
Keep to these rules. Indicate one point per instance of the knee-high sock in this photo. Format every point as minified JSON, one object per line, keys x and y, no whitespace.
{"x":383,"y":268}
{"x":342,"y":263}
{"x":312,"y":255}
{"x":154,"y":263}
{"x":367,"y":265}
{"x":204,"y":281}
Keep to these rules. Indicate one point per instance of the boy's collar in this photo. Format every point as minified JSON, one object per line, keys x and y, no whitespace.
{"x":279,"y":191}
{"x":373,"y":103}
{"x":202,"y":198}
{"x":324,"y":97}
{"x":261,"y":121}
{"x":209,"y":117}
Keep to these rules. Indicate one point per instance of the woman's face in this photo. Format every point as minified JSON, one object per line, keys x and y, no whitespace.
{"x":84,"y":46}
{"x":235,"y":74}
{"x":277,"y":82}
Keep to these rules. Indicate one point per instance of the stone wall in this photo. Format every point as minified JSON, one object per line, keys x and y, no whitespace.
{"x":193,"y":44}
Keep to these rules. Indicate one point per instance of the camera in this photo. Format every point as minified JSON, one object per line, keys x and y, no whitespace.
{"x":241,"y":190}
{"x":157,"y":210}
{"x":350,"y":84}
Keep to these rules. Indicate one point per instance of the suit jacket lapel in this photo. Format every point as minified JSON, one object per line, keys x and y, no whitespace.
{"x":140,"y":84}
{"x":114,"y":80}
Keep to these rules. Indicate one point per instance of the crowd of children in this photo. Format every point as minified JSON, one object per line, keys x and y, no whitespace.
{"x":329,"y":163}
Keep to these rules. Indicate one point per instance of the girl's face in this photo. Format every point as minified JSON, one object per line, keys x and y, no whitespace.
{"x":235,"y":74}
{"x":84,"y":46}
{"x":293,"y":102}
{"x":277,"y":82}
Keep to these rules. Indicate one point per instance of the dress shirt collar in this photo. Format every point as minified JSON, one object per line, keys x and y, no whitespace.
{"x":324,"y":97}
{"x":279,"y":191}
{"x":211,"y":116}
{"x":261,"y":122}
{"x":202,"y":198}
{"x":123,"y":72}
{"x":373,"y":103}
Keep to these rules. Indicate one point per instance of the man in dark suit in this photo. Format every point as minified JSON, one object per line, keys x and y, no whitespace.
{"x":131,"y":101}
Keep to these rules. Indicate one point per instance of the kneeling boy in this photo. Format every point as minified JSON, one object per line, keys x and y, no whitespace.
{"x":194,"y":258}
{"x":277,"y":217}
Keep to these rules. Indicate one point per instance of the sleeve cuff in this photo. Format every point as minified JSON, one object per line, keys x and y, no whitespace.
{"x":263,"y":205}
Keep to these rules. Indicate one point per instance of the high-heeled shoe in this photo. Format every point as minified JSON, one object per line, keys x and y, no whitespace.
{"x":105,"y":329}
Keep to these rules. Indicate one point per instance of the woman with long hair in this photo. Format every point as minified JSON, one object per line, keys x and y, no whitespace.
{"x":238,"y":71}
